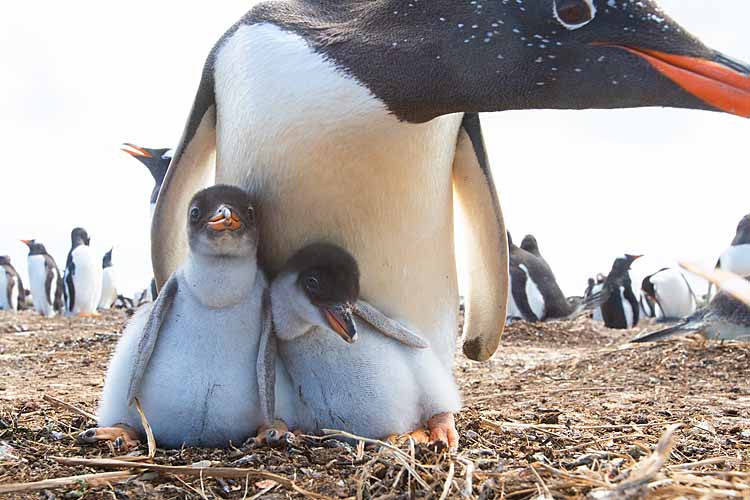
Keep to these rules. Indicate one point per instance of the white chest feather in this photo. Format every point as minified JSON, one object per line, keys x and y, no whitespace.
{"x":534,"y":295}
{"x":736,"y":259}
{"x":597,"y":316}
{"x":4,"y":279}
{"x":87,"y":280}
{"x":627,"y":309}
{"x":673,"y":294}
{"x":327,"y":162}
{"x":37,"y":285}
{"x":109,"y":288}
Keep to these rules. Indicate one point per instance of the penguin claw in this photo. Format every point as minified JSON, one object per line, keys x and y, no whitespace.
{"x":275,"y":436}
{"x":443,"y":433}
{"x":122,"y":438}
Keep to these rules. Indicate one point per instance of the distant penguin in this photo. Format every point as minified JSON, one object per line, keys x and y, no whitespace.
{"x":12,"y":292}
{"x":594,"y":287}
{"x":534,"y":289}
{"x":667,"y":295}
{"x":530,"y":244}
{"x":724,"y":318}
{"x":736,"y":258}
{"x":156,"y":161}
{"x":620,"y":309}
{"x":109,"y":283}
{"x":45,"y":280}
{"x":83,"y":276}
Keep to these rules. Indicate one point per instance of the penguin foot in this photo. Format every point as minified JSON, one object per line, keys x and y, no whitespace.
{"x":443,"y":430}
{"x":89,"y":315}
{"x":122,"y":437}
{"x":420,"y":436}
{"x":276,"y":435}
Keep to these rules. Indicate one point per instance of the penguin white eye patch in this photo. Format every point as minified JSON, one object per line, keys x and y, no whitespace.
{"x":574,"y":14}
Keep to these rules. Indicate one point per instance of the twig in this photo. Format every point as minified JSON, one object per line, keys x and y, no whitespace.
{"x":70,"y":407}
{"x":501,"y":425}
{"x":146,"y":427}
{"x":60,"y":482}
{"x":701,"y":463}
{"x":448,"y":481}
{"x":231,"y":472}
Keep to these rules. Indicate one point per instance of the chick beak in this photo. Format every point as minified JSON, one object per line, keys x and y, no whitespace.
{"x":224,"y":220}
{"x":341,"y":321}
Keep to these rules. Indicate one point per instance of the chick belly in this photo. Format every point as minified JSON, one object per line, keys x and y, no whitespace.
{"x":201,"y":391}
{"x":366,"y":388}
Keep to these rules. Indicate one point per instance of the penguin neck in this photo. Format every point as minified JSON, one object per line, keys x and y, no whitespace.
{"x":218,"y":281}
{"x":290,"y":308}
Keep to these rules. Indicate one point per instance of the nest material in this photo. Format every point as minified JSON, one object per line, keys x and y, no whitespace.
{"x":563,"y":410}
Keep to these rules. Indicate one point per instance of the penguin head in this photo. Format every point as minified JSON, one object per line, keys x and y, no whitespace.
{"x":79,"y":236}
{"x":156,"y":160}
{"x":107,"y":259}
{"x":221,"y":223}
{"x":530,"y":244}
{"x":35,"y":248}
{"x":620,"y":269}
{"x":319,"y":286}
{"x":742,"y":237}
{"x":647,"y":287}
{"x":429,"y":58}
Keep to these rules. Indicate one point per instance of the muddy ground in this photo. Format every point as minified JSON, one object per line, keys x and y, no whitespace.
{"x":563,"y":410}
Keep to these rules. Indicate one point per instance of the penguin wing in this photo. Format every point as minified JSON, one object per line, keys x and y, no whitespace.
{"x":387,"y":326}
{"x":689,"y":325}
{"x":518,"y":280}
{"x":266,"y":364}
{"x":150,"y":335}
{"x":68,"y":285}
{"x":191,"y":170}
{"x":8,"y":286}
{"x":52,"y":283}
{"x":487,"y":245}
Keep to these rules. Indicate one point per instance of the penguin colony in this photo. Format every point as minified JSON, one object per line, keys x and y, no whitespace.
{"x":299,"y":72}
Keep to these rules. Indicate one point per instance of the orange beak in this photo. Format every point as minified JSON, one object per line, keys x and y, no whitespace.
{"x":224,"y":220}
{"x":341,"y":321}
{"x":715,"y":84}
{"x":27,"y":242}
{"x":134,"y":150}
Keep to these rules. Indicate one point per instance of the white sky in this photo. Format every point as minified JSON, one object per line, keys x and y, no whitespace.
{"x":79,"y":78}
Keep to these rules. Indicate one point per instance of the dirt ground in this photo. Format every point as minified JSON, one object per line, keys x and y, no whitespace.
{"x":563,"y":410}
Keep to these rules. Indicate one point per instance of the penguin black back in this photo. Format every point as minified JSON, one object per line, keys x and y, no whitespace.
{"x":620,"y":309}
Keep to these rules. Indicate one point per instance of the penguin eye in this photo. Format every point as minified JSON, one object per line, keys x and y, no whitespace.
{"x":574,"y":14}
{"x":312,"y":284}
{"x":195,"y":214}
{"x":251,"y":214}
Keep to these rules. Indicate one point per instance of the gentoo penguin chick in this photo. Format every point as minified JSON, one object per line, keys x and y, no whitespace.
{"x":156,"y":161}
{"x":667,"y":295}
{"x":535,"y":293}
{"x":620,"y":309}
{"x":397,"y":388}
{"x":191,"y":358}
{"x":724,"y":318}
{"x":12,"y":292}
{"x":736,"y":258}
{"x":109,"y":283}
{"x":83,"y":276}
{"x":45,"y":281}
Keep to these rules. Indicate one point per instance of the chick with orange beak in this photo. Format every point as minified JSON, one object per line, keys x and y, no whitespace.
{"x":194,"y":358}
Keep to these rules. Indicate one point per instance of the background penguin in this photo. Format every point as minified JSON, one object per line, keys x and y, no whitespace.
{"x":45,"y":281}
{"x":535,"y":292}
{"x":83,"y":276}
{"x":594,"y":287}
{"x":724,"y":318}
{"x":156,"y":161}
{"x":736,"y":258}
{"x":530,"y":244}
{"x":620,"y":309}
{"x":667,"y":294}
{"x":12,"y":292}
{"x":109,"y":283}
{"x":198,"y":385}
{"x":316,"y":295}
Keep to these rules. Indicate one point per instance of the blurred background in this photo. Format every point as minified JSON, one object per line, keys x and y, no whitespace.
{"x":80,"y":78}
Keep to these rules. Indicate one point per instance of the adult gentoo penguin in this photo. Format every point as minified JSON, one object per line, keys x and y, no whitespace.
{"x":109,"y":282}
{"x":198,"y":384}
{"x":156,"y":161}
{"x":736,"y":258}
{"x":535,"y":293}
{"x":45,"y":281}
{"x":314,"y":298}
{"x":12,"y":292}
{"x":724,"y":318}
{"x":355,"y":122}
{"x":667,"y":295}
{"x":620,"y":309}
{"x":83,"y":275}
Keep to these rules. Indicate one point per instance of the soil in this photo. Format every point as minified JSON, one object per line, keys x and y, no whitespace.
{"x":563,"y":410}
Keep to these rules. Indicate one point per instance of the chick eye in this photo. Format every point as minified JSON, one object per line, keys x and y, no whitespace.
{"x":574,"y":14}
{"x":195,"y":214}
{"x":312,"y":284}
{"x":251,"y":213}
